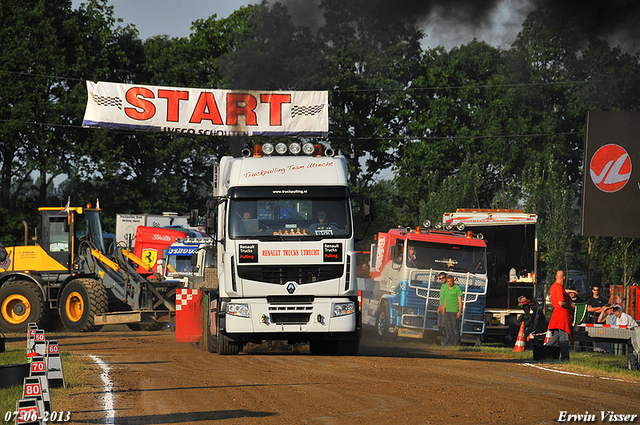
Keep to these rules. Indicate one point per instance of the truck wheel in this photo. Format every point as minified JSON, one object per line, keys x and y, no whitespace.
{"x":212,"y":337}
{"x":382,"y":322}
{"x":317,"y":347}
{"x":147,"y":327}
{"x":348,"y":347}
{"x":212,"y":342}
{"x":225,"y":346}
{"x":632,"y":361}
{"x":22,"y":302}
{"x":81,"y":300}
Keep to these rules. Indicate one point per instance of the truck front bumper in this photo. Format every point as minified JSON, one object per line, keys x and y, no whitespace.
{"x":317,"y":317}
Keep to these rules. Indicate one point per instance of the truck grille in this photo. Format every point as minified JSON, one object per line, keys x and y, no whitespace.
{"x":291,"y":299}
{"x":290,"y":318}
{"x":280,"y":275}
{"x":290,"y":309}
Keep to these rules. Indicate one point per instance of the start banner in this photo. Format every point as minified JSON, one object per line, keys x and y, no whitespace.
{"x":206,"y":111}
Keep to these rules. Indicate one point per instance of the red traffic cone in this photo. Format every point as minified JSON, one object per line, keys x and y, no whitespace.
{"x":520,"y":341}
{"x":547,"y":337}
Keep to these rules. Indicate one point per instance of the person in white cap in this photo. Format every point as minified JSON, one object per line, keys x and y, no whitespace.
{"x":615,"y":315}
{"x":622,"y":318}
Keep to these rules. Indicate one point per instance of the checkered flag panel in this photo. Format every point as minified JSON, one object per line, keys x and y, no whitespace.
{"x":306,"y":110}
{"x":183,"y":296}
{"x":107,"y":101}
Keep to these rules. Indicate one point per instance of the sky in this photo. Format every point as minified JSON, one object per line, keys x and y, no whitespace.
{"x":171,"y":17}
{"x":174,"y":18}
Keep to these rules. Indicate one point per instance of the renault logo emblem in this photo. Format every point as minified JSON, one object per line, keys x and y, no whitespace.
{"x":291,"y":287}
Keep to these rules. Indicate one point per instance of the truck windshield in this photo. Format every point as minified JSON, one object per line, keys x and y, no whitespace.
{"x":455,"y":258}
{"x":302,"y":217}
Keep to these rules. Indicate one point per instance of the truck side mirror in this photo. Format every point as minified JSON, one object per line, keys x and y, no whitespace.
{"x":211,"y":224}
{"x":367,"y":214}
{"x":194,"y":263}
{"x":194,"y":218}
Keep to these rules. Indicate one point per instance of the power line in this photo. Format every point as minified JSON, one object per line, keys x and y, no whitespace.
{"x":396,"y":138}
{"x":31,"y":74}
{"x":382,"y":90}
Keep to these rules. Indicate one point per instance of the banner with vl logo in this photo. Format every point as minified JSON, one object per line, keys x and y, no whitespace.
{"x":611,"y":184}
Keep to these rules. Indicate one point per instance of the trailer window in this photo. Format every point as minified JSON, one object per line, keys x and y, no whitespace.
{"x":301,"y":217}
{"x":455,"y":258}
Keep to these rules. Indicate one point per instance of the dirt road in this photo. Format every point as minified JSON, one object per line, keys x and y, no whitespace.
{"x":158,"y":381}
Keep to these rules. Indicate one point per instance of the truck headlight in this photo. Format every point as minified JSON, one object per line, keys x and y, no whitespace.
{"x":240,"y":310}
{"x":342,"y":309}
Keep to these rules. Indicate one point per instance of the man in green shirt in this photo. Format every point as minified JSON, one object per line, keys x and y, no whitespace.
{"x":451,"y":308}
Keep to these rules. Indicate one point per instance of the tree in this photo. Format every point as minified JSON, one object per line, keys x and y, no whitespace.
{"x":48,"y":51}
{"x":369,"y":55}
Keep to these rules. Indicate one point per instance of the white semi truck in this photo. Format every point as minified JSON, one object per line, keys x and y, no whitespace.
{"x":284,"y":234}
{"x":191,"y":261}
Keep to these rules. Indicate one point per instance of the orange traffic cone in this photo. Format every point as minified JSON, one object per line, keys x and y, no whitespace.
{"x":547,"y":337}
{"x":520,"y":341}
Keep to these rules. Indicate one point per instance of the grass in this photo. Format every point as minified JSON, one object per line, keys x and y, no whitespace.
{"x":73,"y":370}
{"x":587,"y":363}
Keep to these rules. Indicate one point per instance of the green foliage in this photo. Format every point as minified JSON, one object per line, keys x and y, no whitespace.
{"x":476,"y":126}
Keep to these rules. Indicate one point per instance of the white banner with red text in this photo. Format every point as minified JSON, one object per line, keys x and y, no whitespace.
{"x":207,"y":112}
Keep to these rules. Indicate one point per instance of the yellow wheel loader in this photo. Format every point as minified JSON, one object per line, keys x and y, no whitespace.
{"x":70,"y":272}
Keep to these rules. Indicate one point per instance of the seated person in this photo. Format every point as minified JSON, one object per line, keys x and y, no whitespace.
{"x":322,"y":222}
{"x":613,"y":315}
{"x":412,"y":261}
{"x":573,"y":294}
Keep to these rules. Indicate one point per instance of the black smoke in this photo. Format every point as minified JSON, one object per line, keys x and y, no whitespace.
{"x":617,"y":21}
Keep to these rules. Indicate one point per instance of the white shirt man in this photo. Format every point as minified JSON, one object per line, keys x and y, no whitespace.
{"x":620,"y":318}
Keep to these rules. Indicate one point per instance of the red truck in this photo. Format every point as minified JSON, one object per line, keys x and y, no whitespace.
{"x":152,"y":241}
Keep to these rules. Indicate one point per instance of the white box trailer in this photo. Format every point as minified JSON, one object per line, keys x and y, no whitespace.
{"x":512,"y":257}
{"x":126,"y":224}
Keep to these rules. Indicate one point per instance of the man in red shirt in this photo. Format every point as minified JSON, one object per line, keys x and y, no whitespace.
{"x":562,"y":317}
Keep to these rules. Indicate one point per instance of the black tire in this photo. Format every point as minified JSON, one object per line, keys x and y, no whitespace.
{"x":225,"y":346}
{"x":348,"y":347}
{"x":147,"y":327}
{"x":319,"y":347}
{"x":632,"y":361}
{"x":21,"y":303}
{"x":382,"y":322}
{"x":212,"y":337}
{"x":80,"y":302}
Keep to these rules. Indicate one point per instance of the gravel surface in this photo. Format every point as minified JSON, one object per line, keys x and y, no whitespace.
{"x":156,"y":380}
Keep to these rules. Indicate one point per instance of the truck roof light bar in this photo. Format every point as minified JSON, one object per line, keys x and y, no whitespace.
{"x":293,"y":148}
{"x":194,"y":241}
